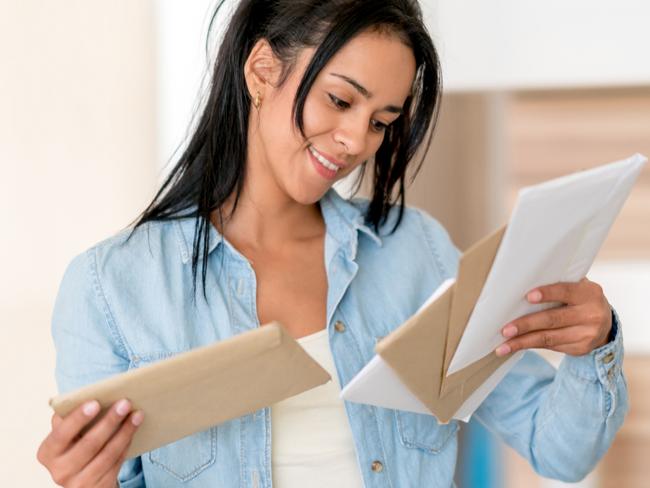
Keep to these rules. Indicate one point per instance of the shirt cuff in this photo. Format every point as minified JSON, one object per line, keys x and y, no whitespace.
{"x":603,"y":364}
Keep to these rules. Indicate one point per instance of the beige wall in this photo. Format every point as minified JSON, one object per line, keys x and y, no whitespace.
{"x":77,"y":163}
{"x":463,"y":173}
{"x":555,"y":132}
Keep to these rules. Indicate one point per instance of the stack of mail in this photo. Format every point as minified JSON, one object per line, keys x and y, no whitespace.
{"x":441,"y":361}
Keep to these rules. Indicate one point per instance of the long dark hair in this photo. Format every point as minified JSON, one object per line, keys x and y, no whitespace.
{"x":212,"y":166}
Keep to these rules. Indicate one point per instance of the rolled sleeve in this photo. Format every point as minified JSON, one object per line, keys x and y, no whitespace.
{"x":561,"y":421}
{"x":603,"y":365}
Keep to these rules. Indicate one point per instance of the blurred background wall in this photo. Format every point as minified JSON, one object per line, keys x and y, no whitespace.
{"x":78,"y":160}
{"x":95,"y":97}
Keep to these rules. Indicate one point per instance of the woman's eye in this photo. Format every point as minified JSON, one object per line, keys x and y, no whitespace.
{"x":378,"y":126}
{"x":338,"y":102}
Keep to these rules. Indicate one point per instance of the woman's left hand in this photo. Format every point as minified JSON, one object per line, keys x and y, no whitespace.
{"x":578,"y":327}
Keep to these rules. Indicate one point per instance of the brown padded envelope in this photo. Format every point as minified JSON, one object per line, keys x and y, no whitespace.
{"x":195,"y":390}
{"x":421,"y":350}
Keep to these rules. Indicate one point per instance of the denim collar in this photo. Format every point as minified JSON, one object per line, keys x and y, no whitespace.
{"x":344,"y":220}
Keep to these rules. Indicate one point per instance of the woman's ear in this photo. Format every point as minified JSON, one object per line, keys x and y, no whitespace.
{"x":261,"y":69}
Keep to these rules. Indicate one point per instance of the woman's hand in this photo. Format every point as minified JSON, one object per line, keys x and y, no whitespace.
{"x":94,"y":458}
{"x":578,"y":327}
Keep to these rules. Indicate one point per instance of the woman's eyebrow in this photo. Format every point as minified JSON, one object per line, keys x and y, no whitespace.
{"x":361,"y":89}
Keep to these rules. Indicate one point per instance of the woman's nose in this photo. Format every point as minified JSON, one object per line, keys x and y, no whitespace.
{"x":352,"y":136}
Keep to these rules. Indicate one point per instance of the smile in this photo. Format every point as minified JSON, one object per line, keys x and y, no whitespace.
{"x":323,"y":160}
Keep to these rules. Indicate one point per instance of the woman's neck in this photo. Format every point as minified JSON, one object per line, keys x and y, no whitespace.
{"x":268,"y":218}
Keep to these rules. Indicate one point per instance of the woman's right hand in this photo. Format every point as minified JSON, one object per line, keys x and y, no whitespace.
{"x":94,"y":458}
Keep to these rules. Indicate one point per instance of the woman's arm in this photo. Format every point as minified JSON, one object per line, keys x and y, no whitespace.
{"x":561,"y":421}
{"x":89,"y":345}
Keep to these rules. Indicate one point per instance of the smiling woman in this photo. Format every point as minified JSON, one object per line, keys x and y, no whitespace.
{"x":277,"y":52}
{"x":345,"y":116}
{"x":304,"y":92}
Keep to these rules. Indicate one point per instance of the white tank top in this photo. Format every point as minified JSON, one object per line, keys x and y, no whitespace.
{"x":312,"y":443}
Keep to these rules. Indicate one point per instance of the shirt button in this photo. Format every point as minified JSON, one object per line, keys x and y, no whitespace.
{"x":610,"y":374}
{"x":339,"y":326}
{"x":608,"y":358}
{"x":377,"y":467}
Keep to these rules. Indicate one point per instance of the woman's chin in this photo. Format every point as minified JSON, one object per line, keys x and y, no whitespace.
{"x":309,"y":194}
{"x":309,"y":199}
{"x":306,"y":186}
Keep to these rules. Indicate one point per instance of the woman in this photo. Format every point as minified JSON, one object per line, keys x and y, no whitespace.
{"x":303,"y":93}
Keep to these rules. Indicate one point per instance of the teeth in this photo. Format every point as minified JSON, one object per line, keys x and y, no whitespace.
{"x":323,"y":161}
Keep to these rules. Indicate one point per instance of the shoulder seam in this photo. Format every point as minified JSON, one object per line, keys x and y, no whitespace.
{"x":118,"y":337}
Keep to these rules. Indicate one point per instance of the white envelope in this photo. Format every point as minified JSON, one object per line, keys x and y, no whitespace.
{"x":554,"y":234}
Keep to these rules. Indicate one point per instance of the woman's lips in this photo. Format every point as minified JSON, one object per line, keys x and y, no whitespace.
{"x":330,"y":158}
{"x":326,"y":173}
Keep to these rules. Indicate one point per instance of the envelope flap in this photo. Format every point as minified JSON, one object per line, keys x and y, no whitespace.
{"x":461,"y":384}
{"x":415,"y":350}
{"x":473,"y":270}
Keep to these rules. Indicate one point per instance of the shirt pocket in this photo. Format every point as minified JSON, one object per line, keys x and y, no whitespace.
{"x":420,"y":431}
{"x":187,"y":457}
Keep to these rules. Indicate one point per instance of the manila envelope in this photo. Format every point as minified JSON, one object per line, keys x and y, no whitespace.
{"x":198,"y":389}
{"x":428,"y":340}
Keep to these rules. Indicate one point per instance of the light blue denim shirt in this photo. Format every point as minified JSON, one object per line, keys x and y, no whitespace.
{"x":122,"y":305}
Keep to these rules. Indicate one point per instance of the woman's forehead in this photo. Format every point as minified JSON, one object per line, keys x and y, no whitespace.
{"x":381,"y":63}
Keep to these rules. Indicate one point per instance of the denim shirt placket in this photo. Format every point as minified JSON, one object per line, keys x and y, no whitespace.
{"x":341,"y":242}
{"x":340,"y":252}
{"x":255,"y":428}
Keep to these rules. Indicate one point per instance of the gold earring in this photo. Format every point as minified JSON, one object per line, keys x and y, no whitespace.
{"x":258,"y":100}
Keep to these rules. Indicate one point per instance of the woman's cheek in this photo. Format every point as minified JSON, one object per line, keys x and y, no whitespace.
{"x":317,"y":119}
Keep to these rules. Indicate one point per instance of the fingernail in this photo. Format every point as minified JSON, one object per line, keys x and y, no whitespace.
{"x":137,"y":418}
{"x":509,"y":331}
{"x":534,"y":296}
{"x":123,"y":407}
{"x":502,"y":350}
{"x":91,"y":408}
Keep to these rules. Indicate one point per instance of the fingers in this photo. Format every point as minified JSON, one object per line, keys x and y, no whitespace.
{"x":574,"y":338}
{"x":576,"y":328}
{"x":548,"y":319}
{"x":65,"y":430}
{"x":95,"y":438}
{"x":569,"y":293}
{"x":112,"y":455}
{"x":80,"y":460}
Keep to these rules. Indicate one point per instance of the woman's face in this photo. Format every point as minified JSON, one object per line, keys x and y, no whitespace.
{"x":355,"y":96}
